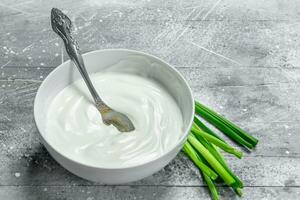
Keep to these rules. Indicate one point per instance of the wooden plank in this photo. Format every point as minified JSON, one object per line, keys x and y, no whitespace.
{"x":137,"y":192}
{"x":259,"y":104}
{"x":199,"y":77}
{"x":245,"y":43}
{"x":282,"y":10}
{"x":159,"y":9}
{"x":264,"y":108}
{"x":24,"y":168}
{"x":189,"y":43}
{"x":22,"y":152}
{"x":19,"y":133}
{"x":208,"y":43}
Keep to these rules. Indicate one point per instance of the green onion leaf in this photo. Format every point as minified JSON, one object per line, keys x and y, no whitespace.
{"x":212,"y":188}
{"x":226,"y":147}
{"x":230,"y":124}
{"x":202,"y":126}
{"x":213,"y":150}
{"x":228,"y":179}
{"x":189,"y":150}
{"x":222,"y":127}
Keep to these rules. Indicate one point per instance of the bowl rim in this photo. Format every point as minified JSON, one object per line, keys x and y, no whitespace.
{"x":180,"y":141}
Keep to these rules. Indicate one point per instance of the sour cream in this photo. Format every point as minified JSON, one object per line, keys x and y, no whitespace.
{"x":75,"y":129}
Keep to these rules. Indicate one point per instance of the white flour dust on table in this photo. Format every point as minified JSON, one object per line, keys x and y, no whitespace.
{"x":75,"y":128}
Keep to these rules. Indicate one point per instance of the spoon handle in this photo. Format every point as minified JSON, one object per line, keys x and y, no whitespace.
{"x":74,"y":54}
{"x":61,"y":24}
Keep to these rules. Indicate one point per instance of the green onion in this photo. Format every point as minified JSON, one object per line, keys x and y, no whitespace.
{"x":225,"y":165}
{"x":210,"y":183}
{"x":212,"y":187}
{"x":220,"y":158}
{"x":209,"y":147}
{"x":202,"y":148}
{"x":226,"y":147}
{"x":228,"y":179}
{"x":188,"y":149}
{"x":205,"y":128}
{"x":239,"y":191}
{"x":213,"y":150}
{"x":230,"y":124}
{"x":222,"y":127}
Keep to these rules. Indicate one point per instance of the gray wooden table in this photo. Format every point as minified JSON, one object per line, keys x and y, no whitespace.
{"x":241,"y":58}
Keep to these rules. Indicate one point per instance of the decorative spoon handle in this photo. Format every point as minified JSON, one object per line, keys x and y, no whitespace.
{"x":62,"y":25}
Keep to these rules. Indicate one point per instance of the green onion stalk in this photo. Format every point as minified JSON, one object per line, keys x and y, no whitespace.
{"x":203,"y":144}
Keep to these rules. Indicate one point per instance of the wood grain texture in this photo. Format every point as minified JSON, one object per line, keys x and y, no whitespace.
{"x":241,"y":58}
{"x":140,"y":193}
{"x":255,"y":101}
{"x":38,"y":168}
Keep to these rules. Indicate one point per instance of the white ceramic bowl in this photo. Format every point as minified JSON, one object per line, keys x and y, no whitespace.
{"x":136,"y":62}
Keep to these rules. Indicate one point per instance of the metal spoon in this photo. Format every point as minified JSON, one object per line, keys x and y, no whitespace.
{"x":62,"y":25}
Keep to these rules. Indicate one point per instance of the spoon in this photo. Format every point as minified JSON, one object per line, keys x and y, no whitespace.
{"x":62,"y":25}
